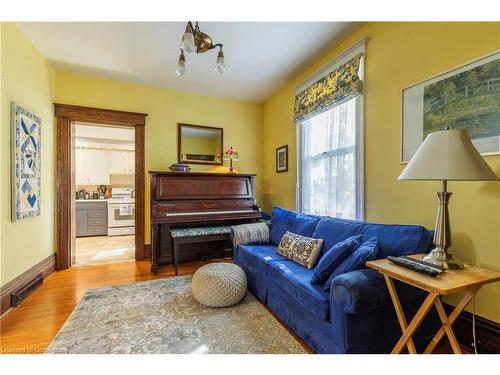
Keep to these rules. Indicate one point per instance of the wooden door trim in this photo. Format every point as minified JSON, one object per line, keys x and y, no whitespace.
{"x":65,"y":115}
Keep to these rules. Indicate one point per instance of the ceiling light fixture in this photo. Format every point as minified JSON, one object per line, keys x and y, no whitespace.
{"x":193,"y":40}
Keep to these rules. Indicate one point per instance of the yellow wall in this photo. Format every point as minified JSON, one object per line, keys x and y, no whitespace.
{"x":28,"y":80}
{"x":242,"y":122}
{"x":398,"y":55}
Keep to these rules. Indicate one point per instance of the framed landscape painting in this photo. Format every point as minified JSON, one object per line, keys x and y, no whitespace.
{"x":26,"y":137}
{"x":467,"y":97}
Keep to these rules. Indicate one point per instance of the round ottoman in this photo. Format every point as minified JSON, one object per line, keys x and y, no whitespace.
{"x":219,"y":284}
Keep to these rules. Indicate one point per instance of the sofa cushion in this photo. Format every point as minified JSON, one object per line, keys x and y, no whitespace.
{"x":367,"y":251}
{"x":254,"y":260}
{"x":259,"y":254}
{"x":333,"y":258}
{"x":302,"y":250}
{"x":296,"y":280}
{"x":283,"y":220}
{"x":393,"y":239}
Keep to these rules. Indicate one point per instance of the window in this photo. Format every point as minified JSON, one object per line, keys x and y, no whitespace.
{"x":328,"y":162}
{"x":330,"y":141}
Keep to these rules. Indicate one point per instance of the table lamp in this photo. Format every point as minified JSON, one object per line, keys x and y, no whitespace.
{"x":231,"y":154}
{"x":446,"y":155}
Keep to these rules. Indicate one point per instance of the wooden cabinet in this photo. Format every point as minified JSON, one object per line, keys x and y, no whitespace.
{"x":91,"y":218}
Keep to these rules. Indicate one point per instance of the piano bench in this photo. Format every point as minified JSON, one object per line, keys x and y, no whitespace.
{"x":195,"y":235}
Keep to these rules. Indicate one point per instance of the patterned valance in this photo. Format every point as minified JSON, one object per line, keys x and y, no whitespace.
{"x":340,"y":85}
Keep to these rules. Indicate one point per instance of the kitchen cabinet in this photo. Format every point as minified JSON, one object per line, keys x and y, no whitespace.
{"x":118,"y":162}
{"x":131,"y":161}
{"x":93,"y":167}
{"x":80,"y":166}
{"x":96,"y":168}
{"x":91,"y":218}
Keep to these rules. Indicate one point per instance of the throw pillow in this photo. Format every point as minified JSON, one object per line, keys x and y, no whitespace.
{"x":333,"y":257}
{"x":300,"y":249}
{"x":367,"y":251}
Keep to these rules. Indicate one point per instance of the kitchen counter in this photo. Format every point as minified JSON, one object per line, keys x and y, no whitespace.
{"x":91,"y":200}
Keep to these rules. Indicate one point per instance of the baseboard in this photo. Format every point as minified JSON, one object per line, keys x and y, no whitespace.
{"x":487,"y":332}
{"x":46,"y":267}
{"x":147,"y":251}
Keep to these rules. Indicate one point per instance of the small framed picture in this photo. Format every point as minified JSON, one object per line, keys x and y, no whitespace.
{"x":282,"y":159}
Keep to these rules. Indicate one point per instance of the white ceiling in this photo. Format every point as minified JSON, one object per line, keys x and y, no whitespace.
{"x":260,"y":56}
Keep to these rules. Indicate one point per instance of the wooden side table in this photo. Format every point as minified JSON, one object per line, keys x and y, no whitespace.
{"x":468,"y":280}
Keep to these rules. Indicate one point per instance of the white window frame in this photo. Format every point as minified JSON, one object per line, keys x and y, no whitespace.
{"x":354,"y":50}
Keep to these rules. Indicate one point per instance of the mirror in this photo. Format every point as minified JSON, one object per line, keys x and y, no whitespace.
{"x":198,"y":144}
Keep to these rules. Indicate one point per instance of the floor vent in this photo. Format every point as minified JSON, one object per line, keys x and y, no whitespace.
{"x":17,"y":297}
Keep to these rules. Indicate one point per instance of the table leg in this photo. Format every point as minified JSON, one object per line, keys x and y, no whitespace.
{"x":451,"y":319}
{"x":417,"y":319}
{"x":399,"y":313}
{"x":447,"y":327}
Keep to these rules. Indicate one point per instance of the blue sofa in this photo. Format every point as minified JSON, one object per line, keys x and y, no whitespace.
{"x":357,"y":316}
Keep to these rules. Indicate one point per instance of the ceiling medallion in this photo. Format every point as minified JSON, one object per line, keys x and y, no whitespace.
{"x":194,"y":40}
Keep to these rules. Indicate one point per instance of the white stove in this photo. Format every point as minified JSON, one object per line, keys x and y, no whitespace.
{"x":121,"y":212}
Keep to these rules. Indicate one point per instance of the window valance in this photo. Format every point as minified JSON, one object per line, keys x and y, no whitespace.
{"x":338,"y":86}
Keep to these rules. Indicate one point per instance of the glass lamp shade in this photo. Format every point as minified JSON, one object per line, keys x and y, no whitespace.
{"x":188,"y":42}
{"x":181,"y":67}
{"x":231,"y":154}
{"x":220,"y":65}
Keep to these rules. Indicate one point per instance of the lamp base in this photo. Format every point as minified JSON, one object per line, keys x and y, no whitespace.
{"x":442,"y":258}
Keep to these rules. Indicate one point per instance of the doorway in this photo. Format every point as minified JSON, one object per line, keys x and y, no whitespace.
{"x":104,"y":170}
{"x":67,"y":119}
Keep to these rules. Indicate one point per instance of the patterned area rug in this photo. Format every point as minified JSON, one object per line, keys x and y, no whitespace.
{"x":161,"y":316}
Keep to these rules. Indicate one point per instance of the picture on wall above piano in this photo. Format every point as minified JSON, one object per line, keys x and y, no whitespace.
{"x":197,"y":144}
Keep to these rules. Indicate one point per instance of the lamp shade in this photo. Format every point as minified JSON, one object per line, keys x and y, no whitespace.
{"x":231,"y":154}
{"x":448,"y":155}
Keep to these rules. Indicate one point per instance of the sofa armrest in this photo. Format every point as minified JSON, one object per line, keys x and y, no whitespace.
{"x":365,"y":289}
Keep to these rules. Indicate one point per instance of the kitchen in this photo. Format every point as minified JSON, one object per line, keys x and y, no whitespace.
{"x":104,"y":194}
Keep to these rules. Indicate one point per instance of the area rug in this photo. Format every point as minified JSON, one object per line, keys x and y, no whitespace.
{"x":161,"y":316}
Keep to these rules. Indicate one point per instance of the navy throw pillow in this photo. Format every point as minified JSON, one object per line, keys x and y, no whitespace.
{"x":367,"y":251}
{"x":333,"y":257}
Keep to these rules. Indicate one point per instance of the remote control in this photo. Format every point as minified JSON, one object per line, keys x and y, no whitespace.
{"x":416,"y":265}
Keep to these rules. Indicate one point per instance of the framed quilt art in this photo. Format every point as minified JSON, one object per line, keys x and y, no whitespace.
{"x":26,"y":163}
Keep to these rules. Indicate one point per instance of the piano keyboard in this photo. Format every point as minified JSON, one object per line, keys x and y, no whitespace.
{"x":208,"y":212}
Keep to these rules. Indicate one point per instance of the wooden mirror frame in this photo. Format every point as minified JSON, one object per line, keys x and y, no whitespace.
{"x":66,"y":116}
{"x":179,"y":142}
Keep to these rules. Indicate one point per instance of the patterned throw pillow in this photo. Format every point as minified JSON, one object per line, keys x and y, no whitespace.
{"x":300,"y":249}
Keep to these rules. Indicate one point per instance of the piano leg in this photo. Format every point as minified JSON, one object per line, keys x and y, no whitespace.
{"x":176,"y":255}
{"x":154,"y":248}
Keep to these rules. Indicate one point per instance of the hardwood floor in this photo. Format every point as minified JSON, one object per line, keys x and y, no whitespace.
{"x":104,"y":249}
{"x":31,"y":326}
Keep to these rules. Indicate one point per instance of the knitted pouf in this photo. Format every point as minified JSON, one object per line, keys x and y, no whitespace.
{"x":219,"y":284}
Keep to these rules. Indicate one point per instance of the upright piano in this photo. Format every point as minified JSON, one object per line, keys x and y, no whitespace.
{"x":197,"y":199}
